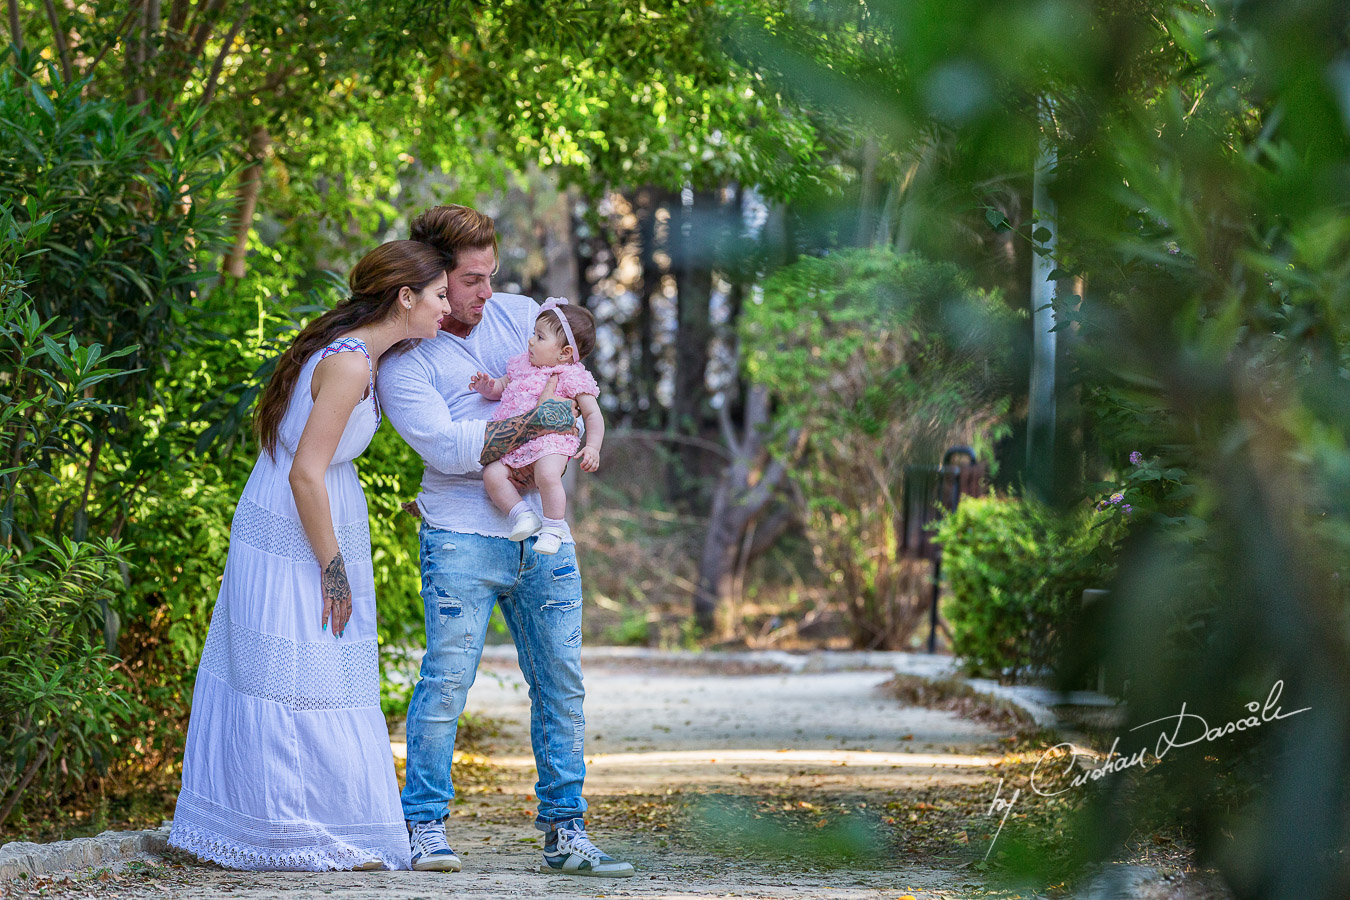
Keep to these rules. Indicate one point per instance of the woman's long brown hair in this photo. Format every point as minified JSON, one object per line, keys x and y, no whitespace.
{"x":375,"y":282}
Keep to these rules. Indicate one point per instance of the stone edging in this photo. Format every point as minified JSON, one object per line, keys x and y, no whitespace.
{"x":21,"y":858}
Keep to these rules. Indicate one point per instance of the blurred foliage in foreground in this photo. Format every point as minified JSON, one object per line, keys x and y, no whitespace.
{"x":1202,"y":185}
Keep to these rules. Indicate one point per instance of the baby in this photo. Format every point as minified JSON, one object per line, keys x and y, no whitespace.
{"x":563,"y":336}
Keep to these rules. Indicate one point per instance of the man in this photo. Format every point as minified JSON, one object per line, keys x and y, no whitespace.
{"x":468,"y":564}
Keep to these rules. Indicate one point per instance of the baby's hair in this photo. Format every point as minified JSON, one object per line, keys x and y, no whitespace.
{"x":581,"y":322}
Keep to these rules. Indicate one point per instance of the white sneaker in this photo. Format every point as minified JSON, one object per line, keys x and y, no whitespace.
{"x":430,"y":851}
{"x":524,"y":525}
{"x":548,"y":543}
{"x":568,"y":851}
{"x":370,"y":865}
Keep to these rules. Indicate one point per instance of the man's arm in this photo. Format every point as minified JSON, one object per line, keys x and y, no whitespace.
{"x":421,"y":417}
{"x":500,"y":438}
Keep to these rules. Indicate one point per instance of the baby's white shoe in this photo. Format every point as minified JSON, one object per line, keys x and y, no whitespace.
{"x":524,"y":525}
{"x":548,"y":543}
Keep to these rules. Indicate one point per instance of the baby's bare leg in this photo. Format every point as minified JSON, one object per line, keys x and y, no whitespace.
{"x":548,"y":473}
{"x":497,"y":481}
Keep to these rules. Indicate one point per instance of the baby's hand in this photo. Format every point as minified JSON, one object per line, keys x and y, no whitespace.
{"x":590,"y":459}
{"x":483,"y":383}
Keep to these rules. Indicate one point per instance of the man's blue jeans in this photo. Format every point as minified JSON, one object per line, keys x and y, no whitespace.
{"x":463,"y":576}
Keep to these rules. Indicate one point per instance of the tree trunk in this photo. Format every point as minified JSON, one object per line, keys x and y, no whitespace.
{"x":250,"y":185}
{"x":15,"y":29}
{"x":736,"y":504}
{"x":562,"y":275}
{"x":694,"y":240}
{"x":1041,"y":401}
{"x":648,"y":201}
{"x":867,"y":194}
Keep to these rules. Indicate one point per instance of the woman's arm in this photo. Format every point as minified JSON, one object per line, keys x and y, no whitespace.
{"x":339,"y":382}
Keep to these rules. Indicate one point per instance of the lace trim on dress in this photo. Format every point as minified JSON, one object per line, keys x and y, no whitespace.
{"x":237,"y":841}
{"x":354,"y":345}
{"x":264,"y":530}
{"x":324,"y":675}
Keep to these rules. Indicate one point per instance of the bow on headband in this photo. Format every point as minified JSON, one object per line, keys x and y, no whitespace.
{"x":552,"y":303}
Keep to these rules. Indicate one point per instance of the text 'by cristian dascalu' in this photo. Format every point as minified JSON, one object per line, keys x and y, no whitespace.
{"x":1186,"y":729}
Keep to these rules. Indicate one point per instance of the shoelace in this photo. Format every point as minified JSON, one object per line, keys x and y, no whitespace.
{"x":578,"y":843}
{"x":430,"y":837}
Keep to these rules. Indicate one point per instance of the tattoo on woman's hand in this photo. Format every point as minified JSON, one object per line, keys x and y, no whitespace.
{"x":337,"y":595}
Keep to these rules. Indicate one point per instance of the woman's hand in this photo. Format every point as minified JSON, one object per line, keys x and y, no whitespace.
{"x":337,"y":596}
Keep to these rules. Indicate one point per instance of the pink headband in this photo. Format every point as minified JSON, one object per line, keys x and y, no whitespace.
{"x":553,"y":303}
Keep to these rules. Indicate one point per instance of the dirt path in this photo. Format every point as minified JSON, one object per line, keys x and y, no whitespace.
{"x":713,"y":783}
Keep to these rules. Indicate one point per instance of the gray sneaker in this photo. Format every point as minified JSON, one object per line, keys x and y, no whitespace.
{"x":568,"y":851}
{"x":430,"y":850}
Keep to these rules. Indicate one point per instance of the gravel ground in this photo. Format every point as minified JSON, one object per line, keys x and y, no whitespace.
{"x":713,"y":783}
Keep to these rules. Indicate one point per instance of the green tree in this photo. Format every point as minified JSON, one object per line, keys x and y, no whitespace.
{"x":877,"y":361}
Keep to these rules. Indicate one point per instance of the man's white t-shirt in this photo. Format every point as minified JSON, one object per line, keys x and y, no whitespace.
{"x":425,"y":393}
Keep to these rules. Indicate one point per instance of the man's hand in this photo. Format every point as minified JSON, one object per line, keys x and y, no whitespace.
{"x":590,"y":459}
{"x":522,"y":478}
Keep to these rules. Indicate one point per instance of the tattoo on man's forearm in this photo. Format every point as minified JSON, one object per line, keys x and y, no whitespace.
{"x":335,"y":585}
{"x":502,"y":437}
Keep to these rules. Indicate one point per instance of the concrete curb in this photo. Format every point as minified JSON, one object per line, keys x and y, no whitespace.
{"x":21,"y":858}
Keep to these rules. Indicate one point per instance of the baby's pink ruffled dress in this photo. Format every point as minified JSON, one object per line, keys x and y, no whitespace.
{"x":522,"y":395}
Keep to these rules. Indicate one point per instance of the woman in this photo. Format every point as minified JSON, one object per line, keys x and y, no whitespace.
{"x":287,"y":763}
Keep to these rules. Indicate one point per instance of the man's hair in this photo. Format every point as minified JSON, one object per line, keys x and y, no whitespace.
{"x":579,"y":319}
{"x":454,"y":228}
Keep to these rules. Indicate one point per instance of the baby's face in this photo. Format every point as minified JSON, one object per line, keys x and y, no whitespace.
{"x":546,"y":348}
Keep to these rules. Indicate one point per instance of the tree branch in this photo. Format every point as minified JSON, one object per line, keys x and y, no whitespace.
{"x":112,"y":41}
{"x":177,"y":17}
{"x":202,"y":29}
{"x":728,"y":428}
{"x":273,"y":81}
{"x":15,"y":32}
{"x":59,"y":34}
{"x":214,"y":78}
{"x":23,"y":782}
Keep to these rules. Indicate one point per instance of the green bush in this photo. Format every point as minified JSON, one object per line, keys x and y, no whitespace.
{"x":60,"y":710}
{"x":1017,"y":571}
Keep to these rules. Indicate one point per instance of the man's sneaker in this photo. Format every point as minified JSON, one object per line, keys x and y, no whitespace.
{"x":524,"y":525}
{"x":548,"y":543}
{"x":430,"y":851}
{"x":569,"y":851}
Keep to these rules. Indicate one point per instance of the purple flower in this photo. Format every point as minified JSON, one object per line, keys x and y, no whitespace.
{"x":1128,"y":509}
{"x":1136,"y":458}
{"x":1117,"y":497}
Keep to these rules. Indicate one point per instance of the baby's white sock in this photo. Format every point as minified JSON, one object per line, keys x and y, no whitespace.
{"x":518,"y":510}
{"x":554,"y":525}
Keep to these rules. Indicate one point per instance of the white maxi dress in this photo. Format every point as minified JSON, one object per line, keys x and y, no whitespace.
{"x":288,"y":765}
